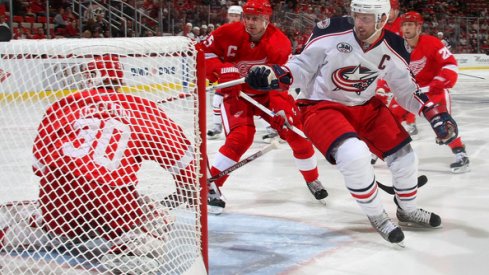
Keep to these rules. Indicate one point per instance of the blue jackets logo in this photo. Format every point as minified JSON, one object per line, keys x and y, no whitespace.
{"x":353,"y":78}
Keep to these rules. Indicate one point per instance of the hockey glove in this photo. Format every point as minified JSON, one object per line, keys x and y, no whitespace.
{"x":279,"y":121}
{"x":436,"y":86}
{"x":442,"y":123}
{"x":228,"y":73}
{"x":268,"y":78}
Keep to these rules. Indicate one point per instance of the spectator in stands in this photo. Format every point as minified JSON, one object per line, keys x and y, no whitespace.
{"x":3,"y":21}
{"x":100,"y":23}
{"x":210,"y":28}
{"x":87,"y":34}
{"x":59,"y":19}
{"x":194,"y":35}
{"x":38,"y":8}
{"x":72,"y":30}
{"x":186,"y":29}
{"x":203,"y":32}
{"x":39,"y":34}
{"x":443,"y":40}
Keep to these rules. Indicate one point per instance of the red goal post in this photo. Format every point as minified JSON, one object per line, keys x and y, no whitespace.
{"x":167,"y":72}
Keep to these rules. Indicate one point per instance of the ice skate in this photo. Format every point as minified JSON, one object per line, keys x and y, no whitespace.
{"x":215,"y":132}
{"x":387,"y":229}
{"x":215,"y":203}
{"x":418,"y":218}
{"x":318,"y":191}
{"x":270,"y":136}
{"x":461,"y":164}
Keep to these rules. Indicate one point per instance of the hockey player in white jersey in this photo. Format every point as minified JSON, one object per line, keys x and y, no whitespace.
{"x":337,"y":74}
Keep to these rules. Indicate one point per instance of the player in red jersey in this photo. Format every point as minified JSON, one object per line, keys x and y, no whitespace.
{"x":230,"y":51}
{"x":394,"y":22}
{"x":436,"y":71}
{"x":234,"y":15}
{"x":89,"y":148}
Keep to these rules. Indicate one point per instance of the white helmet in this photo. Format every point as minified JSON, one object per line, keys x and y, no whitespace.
{"x":376,"y":7}
{"x":235,"y":10}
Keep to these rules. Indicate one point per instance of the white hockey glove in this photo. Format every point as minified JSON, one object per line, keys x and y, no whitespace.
{"x":268,"y":78}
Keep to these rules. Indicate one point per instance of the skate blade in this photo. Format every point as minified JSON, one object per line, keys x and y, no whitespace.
{"x":460,"y":170}
{"x":322,"y":201}
{"x":218,"y":136}
{"x":401,"y":244}
{"x":414,"y":225}
{"x":214,"y":210}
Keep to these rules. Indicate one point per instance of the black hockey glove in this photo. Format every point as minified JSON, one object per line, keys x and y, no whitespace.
{"x":442,"y":123}
{"x":268,"y":78}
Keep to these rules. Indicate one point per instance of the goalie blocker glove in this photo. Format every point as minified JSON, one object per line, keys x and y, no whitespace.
{"x":442,"y":123}
{"x":267,"y":78}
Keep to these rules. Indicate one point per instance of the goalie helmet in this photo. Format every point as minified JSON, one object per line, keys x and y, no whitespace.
{"x":105,"y":70}
{"x":258,"y":7}
{"x":412,"y":16}
{"x":376,"y":7}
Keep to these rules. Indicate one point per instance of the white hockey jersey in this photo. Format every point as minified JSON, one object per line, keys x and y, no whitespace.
{"x":334,"y":67}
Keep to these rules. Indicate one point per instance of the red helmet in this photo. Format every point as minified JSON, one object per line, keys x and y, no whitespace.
{"x":257,"y":7}
{"x":412,"y":16}
{"x":105,"y":69}
{"x":395,"y":4}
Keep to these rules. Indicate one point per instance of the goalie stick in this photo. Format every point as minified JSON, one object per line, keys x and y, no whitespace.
{"x":422,"y":180}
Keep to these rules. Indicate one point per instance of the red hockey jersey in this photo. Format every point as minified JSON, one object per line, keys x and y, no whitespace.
{"x":231,"y":43}
{"x":431,"y":59}
{"x":103,"y":136}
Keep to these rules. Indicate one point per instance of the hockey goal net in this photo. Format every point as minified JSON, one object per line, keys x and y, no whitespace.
{"x":102,"y":176}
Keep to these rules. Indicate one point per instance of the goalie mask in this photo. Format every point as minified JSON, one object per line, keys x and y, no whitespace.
{"x":105,"y":70}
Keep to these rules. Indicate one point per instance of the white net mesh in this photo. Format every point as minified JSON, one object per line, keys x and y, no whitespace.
{"x":100,"y":156}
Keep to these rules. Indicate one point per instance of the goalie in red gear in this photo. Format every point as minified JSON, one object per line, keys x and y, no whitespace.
{"x":230,"y":51}
{"x":89,"y":148}
{"x":436,"y":71}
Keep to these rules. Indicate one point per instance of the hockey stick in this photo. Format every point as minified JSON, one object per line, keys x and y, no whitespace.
{"x":270,"y":113}
{"x":474,"y":76}
{"x":173,"y":98}
{"x":225,"y":84}
{"x":245,"y":161}
{"x":422,"y":180}
{"x":252,"y":101}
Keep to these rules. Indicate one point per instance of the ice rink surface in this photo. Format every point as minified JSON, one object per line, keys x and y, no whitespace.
{"x":273,"y":225}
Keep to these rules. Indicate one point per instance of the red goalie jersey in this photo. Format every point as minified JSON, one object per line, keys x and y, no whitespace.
{"x":102,"y":135}
{"x":432,"y":61}
{"x":89,"y":147}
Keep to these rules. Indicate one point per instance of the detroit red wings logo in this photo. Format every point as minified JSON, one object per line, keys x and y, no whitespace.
{"x":417,"y":66}
{"x":353,"y":78}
